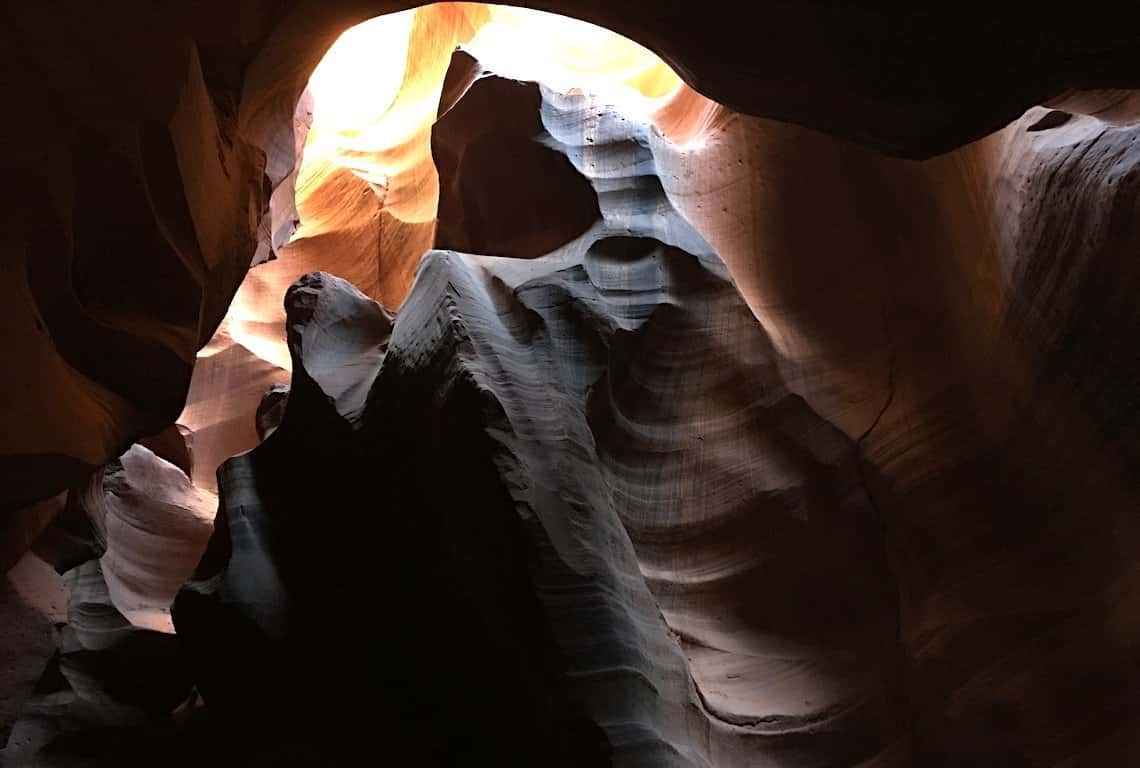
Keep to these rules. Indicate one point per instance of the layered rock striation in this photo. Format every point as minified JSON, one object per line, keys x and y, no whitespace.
{"x":741,"y":443}
{"x":654,"y":552}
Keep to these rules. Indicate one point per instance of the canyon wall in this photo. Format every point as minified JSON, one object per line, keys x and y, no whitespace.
{"x":825,"y":519}
{"x":741,"y":440}
{"x":140,"y":194}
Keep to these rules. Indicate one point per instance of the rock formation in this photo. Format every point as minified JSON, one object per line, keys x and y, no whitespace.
{"x":124,"y":546}
{"x":575,"y":452}
{"x":185,"y":154}
{"x":787,"y":417}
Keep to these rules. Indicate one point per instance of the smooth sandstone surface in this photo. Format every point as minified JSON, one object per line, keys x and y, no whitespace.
{"x":736,"y":558}
{"x":105,"y":686}
{"x":142,"y":193}
{"x":790,"y":452}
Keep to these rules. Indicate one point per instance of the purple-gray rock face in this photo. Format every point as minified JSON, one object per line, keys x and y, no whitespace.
{"x":589,"y":490}
{"x":589,"y":520}
{"x":735,"y":442}
{"x":154,"y":154}
{"x":124,"y":546}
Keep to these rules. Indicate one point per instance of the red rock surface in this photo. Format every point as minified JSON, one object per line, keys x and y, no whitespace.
{"x":916,"y":378}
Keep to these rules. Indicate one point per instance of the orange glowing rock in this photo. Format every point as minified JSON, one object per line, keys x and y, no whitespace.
{"x":367,"y":191}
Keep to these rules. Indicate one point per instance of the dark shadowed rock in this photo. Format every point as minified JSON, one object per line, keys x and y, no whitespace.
{"x":543,"y":431}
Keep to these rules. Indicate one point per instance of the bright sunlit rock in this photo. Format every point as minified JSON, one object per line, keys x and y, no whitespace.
{"x":376,"y":92}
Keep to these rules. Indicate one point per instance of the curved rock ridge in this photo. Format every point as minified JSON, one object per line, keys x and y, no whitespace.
{"x":337,"y":341}
{"x":498,"y":186}
{"x":128,"y":221}
{"x":107,"y":693}
{"x":124,"y":544}
{"x":596,"y":475}
{"x":134,"y":210}
{"x":153,"y":525}
{"x":970,"y":367}
{"x":946,"y":348}
{"x":1017,"y":555}
{"x":367,"y":192}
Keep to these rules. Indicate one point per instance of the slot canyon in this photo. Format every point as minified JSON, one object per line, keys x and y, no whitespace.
{"x":581,"y":383}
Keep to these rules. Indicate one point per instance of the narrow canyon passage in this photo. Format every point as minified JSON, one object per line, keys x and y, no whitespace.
{"x":488,"y":393}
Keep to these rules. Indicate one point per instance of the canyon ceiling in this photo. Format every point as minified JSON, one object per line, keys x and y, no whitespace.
{"x":773,"y":402}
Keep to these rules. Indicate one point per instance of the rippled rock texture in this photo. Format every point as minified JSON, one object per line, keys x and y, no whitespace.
{"x":654,"y":553}
{"x":151,"y":172}
{"x":686,"y":515}
{"x":742,"y":443}
{"x":124,"y":545}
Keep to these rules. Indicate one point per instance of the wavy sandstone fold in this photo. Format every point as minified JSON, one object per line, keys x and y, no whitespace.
{"x":595,"y":474}
{"x":700,"y":439}
{"x":124,"y":546}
